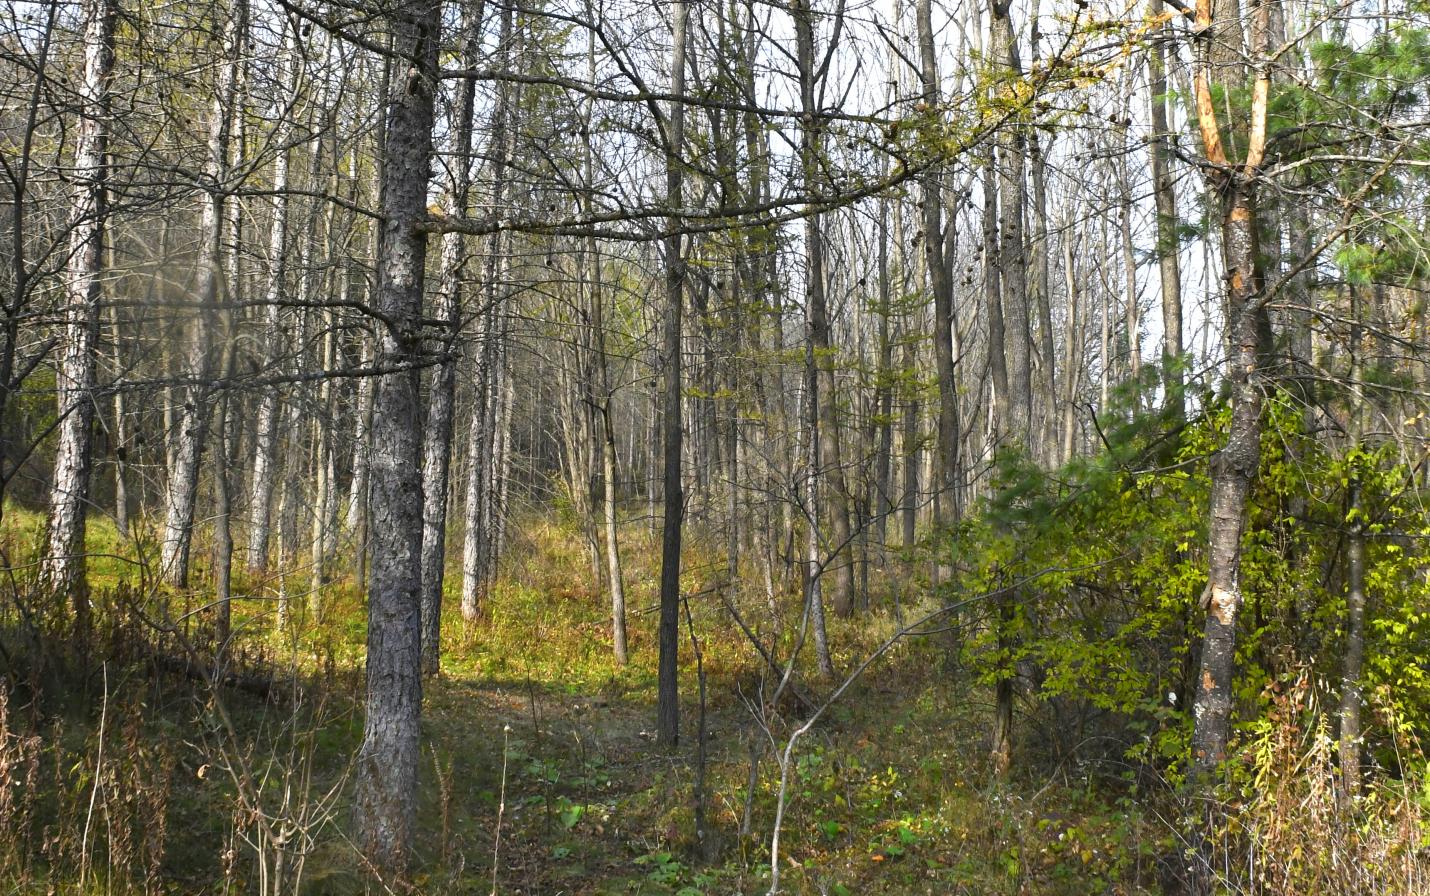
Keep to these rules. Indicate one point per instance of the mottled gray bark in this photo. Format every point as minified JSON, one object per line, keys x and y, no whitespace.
{"x":386,"y":767}
{"x":668,"y":638}
{"x":940,"y":280}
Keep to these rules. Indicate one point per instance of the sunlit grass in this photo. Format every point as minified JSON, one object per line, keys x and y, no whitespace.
{"x":889,"y":794}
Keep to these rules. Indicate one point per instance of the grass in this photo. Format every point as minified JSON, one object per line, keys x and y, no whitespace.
{"x":889,"y":794}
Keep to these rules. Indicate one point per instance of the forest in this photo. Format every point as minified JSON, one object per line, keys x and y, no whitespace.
{"x":715,"y":447}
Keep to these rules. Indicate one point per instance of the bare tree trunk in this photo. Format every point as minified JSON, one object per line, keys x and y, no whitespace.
{"x":323,"y":464}
{"x":1073,"y":347}
{"x":193,"y":420}
{"x":386,"y":770}
{"x":1165,"y":196}
{"x":223,"y":500}
{"x":941,"y":285}
{"x":360,"y":488}
{"x":122,"y":445}
{"x":437,"y":448}
{"x":1353,"y":664}
{"x":614,"y":573}
{"x":668,"y":683}
{"x":1354,"y":660}
{"x":265,"y":430}
{"x":226,"y":437}
{"x":814,"y":551}
{"x":478,"y":538}
{"x":829,"y":466}
{"x":1012,"y":257}
{"x":1129,"y":263}
{"x":909,"y":457}
{"x":883,"y":504}
{"x":1235,"y":466}
{"x":1013,"y":275}
{"x":64,"y":564}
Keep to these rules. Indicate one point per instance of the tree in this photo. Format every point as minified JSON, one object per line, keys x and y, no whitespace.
{"x":442,"y":392}
{"x":387,"y":760}
{"x":69,"y":494}
{"x":668,"y":683}
{"x":1235,"y":185}
{"x":193,"y":422}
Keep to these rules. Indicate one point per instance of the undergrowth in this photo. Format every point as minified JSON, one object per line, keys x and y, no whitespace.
{"x":124,"y":772}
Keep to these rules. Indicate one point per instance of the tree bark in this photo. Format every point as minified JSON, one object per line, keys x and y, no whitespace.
{"x":1235,"y":466}
{"x":478,"y":537}
{"x":614,"y":572}
{"x":668,"y":682}
{"x":437,"y":447}
{"x":936,"y":263}
{"x":265,"y":430}
{"x":829,"y":465}
{"x":193,"y":419}
{"x":1354,"y":660}
{"x":386,"y":769}
{"x":1167,"y":246}
{"x":64,"y":564}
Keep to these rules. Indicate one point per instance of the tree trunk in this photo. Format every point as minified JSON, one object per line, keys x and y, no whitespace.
{"x":478,"y":538}
{"x":265,"y":431}
{"x":1165,"y":196}
{"x":1235,"y":466}
{"x":941,"y":285}
{"x":64,"y":565}
{"x":829,"y":466}
{"x":668,"y":683}
{"x":386,"y":769}
{"x":437,"y":447}
{"x":193,"y":422}
{"x":1354,"y":660}
{"x":614,"y":573}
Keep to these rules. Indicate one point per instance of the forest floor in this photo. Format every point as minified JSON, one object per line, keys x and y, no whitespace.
{"x":539,"y":761}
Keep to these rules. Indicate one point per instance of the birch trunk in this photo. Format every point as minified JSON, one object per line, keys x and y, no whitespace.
{"x":193,"y":422}
{"x":64,"y":564}
{"x":265,"y":431}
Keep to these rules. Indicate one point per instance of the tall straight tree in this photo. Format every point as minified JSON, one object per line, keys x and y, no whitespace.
{"x":829,"y":465}
{"x":69,"y":495}
{"x":387,"y":760}
{"x":1015,"y":409}
{"x":193,"y":420}
{"x":482,"y":492}
{"x":265,"y":435}
{"x":606,"y":398}
{"x":940,"y":280}
{"x":437,"y":447}
{"x":668,"y":683}
{"x":1165,"y":194}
